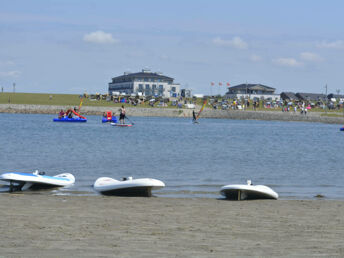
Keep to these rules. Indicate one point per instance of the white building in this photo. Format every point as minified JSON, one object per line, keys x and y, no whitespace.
{"x":252,"y":91}
{"x":145,"y":83}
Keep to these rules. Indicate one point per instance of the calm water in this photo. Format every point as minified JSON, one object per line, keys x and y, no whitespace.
{"x":298,"y":160}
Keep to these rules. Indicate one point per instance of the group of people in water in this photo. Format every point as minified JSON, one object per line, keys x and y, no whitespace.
{"x":69,"y":113}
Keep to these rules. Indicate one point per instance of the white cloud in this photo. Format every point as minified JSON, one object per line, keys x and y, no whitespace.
{"x":308,"y":56}
{"x":100,"y":37}
{"x":290,"y":62}
{"x":339,"y":44}
{"x":235,"y":42}
{"x":255,"y":58}
{"x":6,"y":63}
{"x":10,"y":74}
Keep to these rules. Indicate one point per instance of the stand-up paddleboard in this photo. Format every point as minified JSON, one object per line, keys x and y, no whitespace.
{"x":128,"y":186}
{"x":248,"y":192}
{"x":23,"y":181}
{"x":121,"y":125}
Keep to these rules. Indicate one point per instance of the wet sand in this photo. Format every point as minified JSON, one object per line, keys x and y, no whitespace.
{"x":36,"y":225}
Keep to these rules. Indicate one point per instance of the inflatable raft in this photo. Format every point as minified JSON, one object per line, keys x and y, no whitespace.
{"x":79,"y":118}
{"x":112,"y":119}
{"x":108,"y":117}
{"x":20,"y":181}
{"x":127,"y":186}
{"x":342,"y":129}
{"x":73,"y":119}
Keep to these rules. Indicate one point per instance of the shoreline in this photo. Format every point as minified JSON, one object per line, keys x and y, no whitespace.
{"x":166,"y":112}
{"x":91,"y":226}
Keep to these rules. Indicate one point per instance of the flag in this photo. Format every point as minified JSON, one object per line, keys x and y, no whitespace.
{"x":220,"y":83}
{"x":228,"y":84}
{"x":212,"y":84}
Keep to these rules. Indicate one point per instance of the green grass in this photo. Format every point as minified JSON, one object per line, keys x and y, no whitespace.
{"x":39,"y":99}
{"x":68,"y":100}
{"x":73,"y":100}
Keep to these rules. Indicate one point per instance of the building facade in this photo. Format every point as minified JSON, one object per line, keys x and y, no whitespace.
{"x":252,"y":91}
{"x":145,"y":83}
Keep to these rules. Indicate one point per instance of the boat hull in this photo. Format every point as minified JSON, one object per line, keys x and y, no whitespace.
{"x":112,"y":120}
{"x":132,"y":187}
{"x":70,"y":120}
{"x":248,"y":192}
{"x":130,"y":192}
{"x":24,"y":181}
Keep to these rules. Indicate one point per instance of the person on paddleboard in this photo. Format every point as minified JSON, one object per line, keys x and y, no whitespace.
{"x":121,"y":114}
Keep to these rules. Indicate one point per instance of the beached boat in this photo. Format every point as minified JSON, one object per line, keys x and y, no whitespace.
{"x":36,"y":180}
{"x":248,"y":192}
{"x":127,"y":186}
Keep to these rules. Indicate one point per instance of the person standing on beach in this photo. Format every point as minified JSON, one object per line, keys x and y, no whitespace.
{"x":121,"y":114}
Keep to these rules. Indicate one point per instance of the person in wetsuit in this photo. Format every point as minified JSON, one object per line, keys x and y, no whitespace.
{"x":194,"y":118}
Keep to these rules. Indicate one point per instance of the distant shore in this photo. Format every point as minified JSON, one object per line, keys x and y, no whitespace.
{"x":39,"y":225}
{"x":172,"y":112}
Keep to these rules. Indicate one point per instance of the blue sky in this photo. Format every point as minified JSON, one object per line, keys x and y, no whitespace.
{"x":76,"y":46}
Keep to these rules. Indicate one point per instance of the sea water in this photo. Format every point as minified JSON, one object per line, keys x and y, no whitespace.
{"x":298,"y":160}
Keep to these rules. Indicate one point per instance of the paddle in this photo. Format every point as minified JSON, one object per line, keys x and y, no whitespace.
{"x":129,"y":120}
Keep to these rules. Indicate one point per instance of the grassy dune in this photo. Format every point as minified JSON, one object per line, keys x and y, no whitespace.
{"x":50,"y":99}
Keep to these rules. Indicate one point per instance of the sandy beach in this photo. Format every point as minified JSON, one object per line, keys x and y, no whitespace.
{"x":37,"y":225}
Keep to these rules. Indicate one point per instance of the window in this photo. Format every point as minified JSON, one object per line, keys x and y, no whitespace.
{"x":147,"y":90}
{"x":173,"y":89}
{"x":161,"y":90}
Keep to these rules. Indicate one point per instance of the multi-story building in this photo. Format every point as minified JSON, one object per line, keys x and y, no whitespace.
{"x":252,"y":91}
{"x":145,"y":83}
